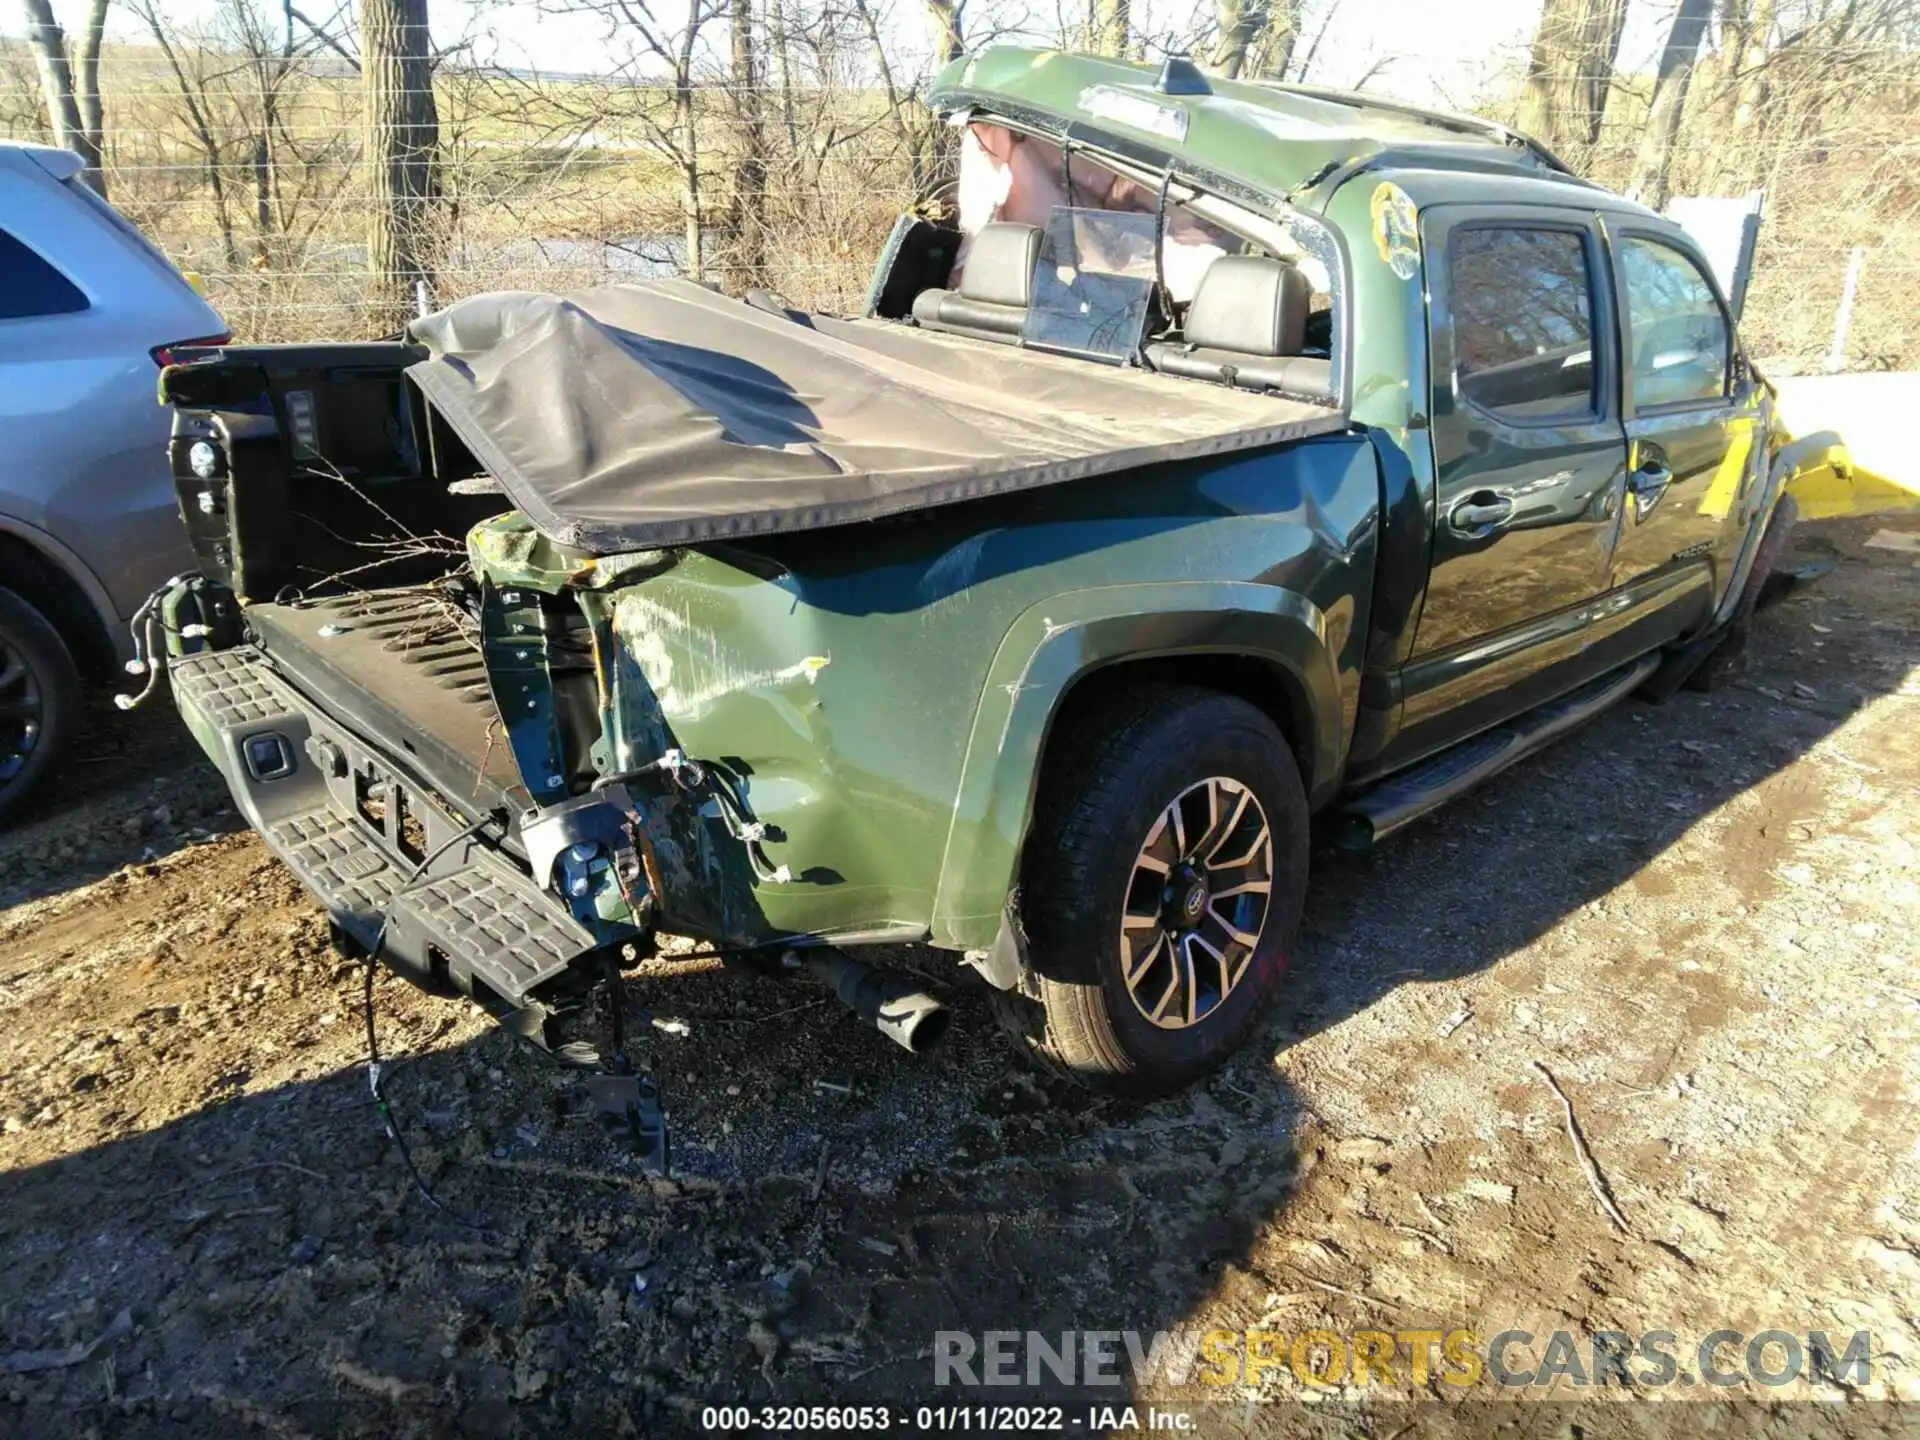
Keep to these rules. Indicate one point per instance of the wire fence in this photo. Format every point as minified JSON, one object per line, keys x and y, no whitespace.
{"x":248,"y":170}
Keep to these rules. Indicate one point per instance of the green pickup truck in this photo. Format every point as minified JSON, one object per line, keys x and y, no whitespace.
{"x":1242,"y":454}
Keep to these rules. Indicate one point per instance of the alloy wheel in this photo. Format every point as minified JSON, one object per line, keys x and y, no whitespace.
{"x":22,"y":713}
{"x":1196,"y":902}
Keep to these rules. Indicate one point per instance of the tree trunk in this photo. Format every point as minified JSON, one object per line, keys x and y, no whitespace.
{"x":745,"y":259}
{"x":1652,"y":169}
{"x":945,"y":19}
{"x":1240,"y":22}
{"x":400,"y":153}
{"x":1570,"y":70}
{"x":1736,"y":35}
{"x":261,"y":165}
{"x":1547,"y":62}
{"x":782,"y":39}
{"x":1280,"y":29}
{"x":686,"y":144}
{"x":939,"y":174}
{"x":64,"y":113}
{"x":1113,"y":27}
{"x":86,"y":90}
{"x":1606,"y":23}
{"x":1750,"y":109}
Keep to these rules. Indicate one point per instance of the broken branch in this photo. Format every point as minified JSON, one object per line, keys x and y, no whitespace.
{"x":1595,"y":1180}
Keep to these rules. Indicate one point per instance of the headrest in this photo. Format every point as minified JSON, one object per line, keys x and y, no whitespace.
{"x":1252,"y":304}
{"x":999,"y":266}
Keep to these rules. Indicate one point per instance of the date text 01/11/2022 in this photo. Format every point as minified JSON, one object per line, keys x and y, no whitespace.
{"x":933,"y":1419}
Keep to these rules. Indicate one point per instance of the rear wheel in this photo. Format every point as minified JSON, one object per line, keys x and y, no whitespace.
{"x":1167,"y":868}
{"x":39,"y":698}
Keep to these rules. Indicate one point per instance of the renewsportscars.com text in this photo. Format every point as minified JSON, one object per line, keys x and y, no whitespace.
{"x":1510,"y":1359}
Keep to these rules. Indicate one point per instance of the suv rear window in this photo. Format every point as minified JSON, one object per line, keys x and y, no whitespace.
{"x":29,"y":286}
{"x":1522,"y":321}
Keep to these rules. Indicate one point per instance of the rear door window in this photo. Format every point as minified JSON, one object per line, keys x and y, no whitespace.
{"x":30,"y":286}
{"x":1677,"y":334}
{"x":1522,"y":309}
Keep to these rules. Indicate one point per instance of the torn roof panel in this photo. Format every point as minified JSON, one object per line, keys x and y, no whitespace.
{"x":665,"y":414}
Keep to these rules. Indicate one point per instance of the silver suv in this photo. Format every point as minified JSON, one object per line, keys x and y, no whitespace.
{"x":89,"y":525}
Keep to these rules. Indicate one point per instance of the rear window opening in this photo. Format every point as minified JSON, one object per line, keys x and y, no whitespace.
{"x":30,"y":285}
{"x":1062,"y":252}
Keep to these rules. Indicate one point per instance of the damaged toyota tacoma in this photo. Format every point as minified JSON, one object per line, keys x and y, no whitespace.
{"x":1243,"y":453}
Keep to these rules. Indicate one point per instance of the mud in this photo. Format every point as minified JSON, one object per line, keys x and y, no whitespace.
{"x":1698,"y":917}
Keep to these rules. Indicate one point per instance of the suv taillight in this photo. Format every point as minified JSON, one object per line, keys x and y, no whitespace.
{"x":164,"y":355}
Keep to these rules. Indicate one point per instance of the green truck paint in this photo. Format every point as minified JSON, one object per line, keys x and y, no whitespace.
{"x":884,"y":700}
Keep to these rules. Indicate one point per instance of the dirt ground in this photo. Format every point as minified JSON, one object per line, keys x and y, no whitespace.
{"x":1698,"y":917}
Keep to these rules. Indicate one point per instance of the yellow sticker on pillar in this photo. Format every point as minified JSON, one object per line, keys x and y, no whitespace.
{"x":1725,"y":490}
{"x":1396,"y":232}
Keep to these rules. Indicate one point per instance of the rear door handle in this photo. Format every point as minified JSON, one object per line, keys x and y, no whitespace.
{"x":1480,"y":512}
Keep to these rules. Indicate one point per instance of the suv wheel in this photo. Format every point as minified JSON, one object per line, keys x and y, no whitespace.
{"x":39,"y":697}
{"x":1168,"y":866}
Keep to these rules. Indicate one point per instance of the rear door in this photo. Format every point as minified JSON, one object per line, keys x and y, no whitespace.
{"x":1529,"y":450}
{"x":1692,"y":412}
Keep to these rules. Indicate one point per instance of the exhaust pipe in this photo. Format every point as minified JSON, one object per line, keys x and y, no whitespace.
{"x":892,"y":1004}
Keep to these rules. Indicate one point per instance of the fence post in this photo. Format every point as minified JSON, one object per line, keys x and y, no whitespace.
{"x":1843,"y":317}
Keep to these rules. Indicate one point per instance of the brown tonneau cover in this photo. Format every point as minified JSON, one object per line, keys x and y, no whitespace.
{"x":665,"y":414}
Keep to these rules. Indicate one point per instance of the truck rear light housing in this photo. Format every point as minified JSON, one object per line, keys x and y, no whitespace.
{"x":168,"y":354}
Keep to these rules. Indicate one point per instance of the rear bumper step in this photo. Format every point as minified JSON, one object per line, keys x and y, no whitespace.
{"x":354,"y":825}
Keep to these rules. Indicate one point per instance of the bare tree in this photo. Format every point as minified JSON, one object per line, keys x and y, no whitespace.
{"x":399,"y":152}
{"x":70,"y":84}
{"x":1113,"y":27}
{"x":1257,"y":37}
{"x":200,"y":123}
{"x":747,"y":202}
{"x":22,"y":115}
{"x":1653,"y":165}
{"x":1278,"y":35}
{"x":1570,"y":69}
{"x":780,"y":42}
{"x":86,"y":85}
{"x":1303,"y":69}
{"x":1599,"y":52}
{"x":947,"y":19}
{"x":239,"y":139}
{"x":1241,"y":21}
{"x":1748,"y":66}
{"x":936,"y":173}
{"x":661,"y":93}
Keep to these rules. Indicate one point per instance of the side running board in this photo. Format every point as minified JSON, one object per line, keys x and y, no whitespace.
{"x":1400,"y":799}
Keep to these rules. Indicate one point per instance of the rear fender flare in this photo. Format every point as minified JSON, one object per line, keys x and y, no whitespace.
{"x":1057,"y":643}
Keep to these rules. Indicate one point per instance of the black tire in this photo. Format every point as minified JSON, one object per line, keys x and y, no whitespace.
{"x":1729,"y":658}
{"x":1099,"y":803}
{"x":39,"y":698}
